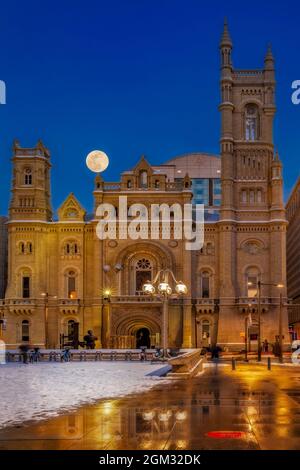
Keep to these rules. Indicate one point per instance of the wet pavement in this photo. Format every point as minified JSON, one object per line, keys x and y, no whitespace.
{"x":249,"y":408}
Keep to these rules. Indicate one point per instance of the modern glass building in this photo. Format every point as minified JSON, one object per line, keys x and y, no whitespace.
{"x":205,"y":172}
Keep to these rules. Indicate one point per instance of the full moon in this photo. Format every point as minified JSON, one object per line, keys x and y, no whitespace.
{"x":97,"y":161}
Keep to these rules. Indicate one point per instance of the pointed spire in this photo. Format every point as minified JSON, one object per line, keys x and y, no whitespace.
{"x":269,"y":58}
{"x":276,"y":156}
{"x":226,"y":39}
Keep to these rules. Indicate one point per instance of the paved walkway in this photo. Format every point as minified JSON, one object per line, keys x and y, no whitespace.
{"x":250,"y":408}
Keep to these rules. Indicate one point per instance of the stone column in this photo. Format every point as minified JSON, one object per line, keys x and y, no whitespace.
{"x":187,"y":326}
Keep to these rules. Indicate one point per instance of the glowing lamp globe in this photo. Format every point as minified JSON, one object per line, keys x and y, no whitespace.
{"x":97,"y":161}
{"x":148,"y":288}
{"x":181,"y":288}
{"x":164,"y":288}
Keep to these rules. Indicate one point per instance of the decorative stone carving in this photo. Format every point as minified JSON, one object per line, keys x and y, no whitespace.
{"x":253,"y":248}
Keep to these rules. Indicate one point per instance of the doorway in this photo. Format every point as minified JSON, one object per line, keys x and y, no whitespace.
{"x":143,"y":338}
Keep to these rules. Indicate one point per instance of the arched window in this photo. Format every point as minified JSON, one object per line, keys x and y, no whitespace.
{"x":143,"y":273}
{"x":210,"y":248}
{"x":71,"y":247}
{"x":143,"y":179}
{"x":205,"y":285}
{"x":251,"y":122}
{"x":29,"y":247}
{"x":129,"y":184}
{"x":70,"y":329}
{"x":244,"y":196}
{"x":21,"y":248}
{"x":71,"y":278}
{"x":25,"y":285}
{"x":25,"y":330}
{"x":205,"y":330}
{"x":27,"y":176}
{"x":259,"y":195}
{"x":252,"y":278}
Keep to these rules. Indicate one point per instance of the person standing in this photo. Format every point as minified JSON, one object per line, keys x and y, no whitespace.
{"x":90,"y":340}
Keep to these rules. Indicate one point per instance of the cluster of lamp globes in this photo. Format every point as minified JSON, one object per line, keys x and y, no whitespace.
{"x":164,"y":288}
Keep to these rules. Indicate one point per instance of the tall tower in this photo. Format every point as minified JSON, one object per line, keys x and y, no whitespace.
{"x":252,"y":218}
{"x":31,"y":184}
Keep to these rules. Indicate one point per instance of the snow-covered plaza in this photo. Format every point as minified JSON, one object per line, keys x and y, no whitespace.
{"x":38,"y":391}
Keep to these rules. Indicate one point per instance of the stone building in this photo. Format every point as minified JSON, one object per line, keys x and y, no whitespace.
{"x":63,"y":278}
{"x":293,"y":258}
{"x":3,"y":256}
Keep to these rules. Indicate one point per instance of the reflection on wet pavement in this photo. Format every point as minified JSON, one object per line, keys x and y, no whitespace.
{"x":250,"y":408}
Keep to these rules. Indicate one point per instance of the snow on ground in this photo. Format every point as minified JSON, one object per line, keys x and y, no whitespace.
{"x":38,"y":391}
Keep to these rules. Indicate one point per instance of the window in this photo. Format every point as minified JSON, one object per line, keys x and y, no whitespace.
{"x":72,"y":294}
{"x":252,"y":278}
{"x":205,"y":287}
{"x":29,"y":247}
{"x":143,"y":179}
{"x":129,"y":184}
{"x":25,"y":330}
{"x":251,"y":122}
{"x":71,"y":248}
{"x":71,"y":329}
{"x":156,"y":184}
{"x":210,"y":248}
{"x":22,"y":248}
{"x":27,"y":176}
{"x":252,"y":198}
{"x":244,"y":195}
{"x":259,"y":195}
{"x":143,"y":274}
{"x":25,"y":287}
{"x":205,"y":329}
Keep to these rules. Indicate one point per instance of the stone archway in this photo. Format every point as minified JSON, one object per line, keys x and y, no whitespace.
{"x":126,"y":325}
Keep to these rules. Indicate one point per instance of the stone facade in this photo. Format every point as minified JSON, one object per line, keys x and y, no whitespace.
{"x":3,"y":256}
{"x":293,"y":244}
{"x":293,"y":259}
{"x":61,"y":273}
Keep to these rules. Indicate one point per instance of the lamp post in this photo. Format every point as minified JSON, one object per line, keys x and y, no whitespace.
{"x":46,"y":297}
{"x":106,"y":317}
{"x":247,"y":317}
{"x":165,"y":290}
{"x":280,"y":328}
{"x":259,"y":284}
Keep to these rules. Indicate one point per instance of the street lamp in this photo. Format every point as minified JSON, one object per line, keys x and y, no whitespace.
{"x":280,"y":286}
{"x":46,"y":297}
{"x":165,"y":290}
{"x":247,"y":318}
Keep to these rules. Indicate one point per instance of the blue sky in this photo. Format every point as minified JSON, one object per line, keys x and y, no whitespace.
{"x":133,"y":77}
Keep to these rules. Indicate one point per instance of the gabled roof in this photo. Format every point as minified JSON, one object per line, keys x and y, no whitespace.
{"x":71,"y":210}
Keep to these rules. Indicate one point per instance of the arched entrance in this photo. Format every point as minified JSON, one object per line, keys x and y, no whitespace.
{"x":134,"y":329}
{"x":143,"y":338}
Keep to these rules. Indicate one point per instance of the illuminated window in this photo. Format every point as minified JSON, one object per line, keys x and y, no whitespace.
{"x":252,"y":278}
{"x":143,"y":274}
{"x":251,"y":122}
{"x":72,"y":285}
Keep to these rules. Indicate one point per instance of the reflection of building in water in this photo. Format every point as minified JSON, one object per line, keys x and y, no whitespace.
{"x":245,"y":230}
